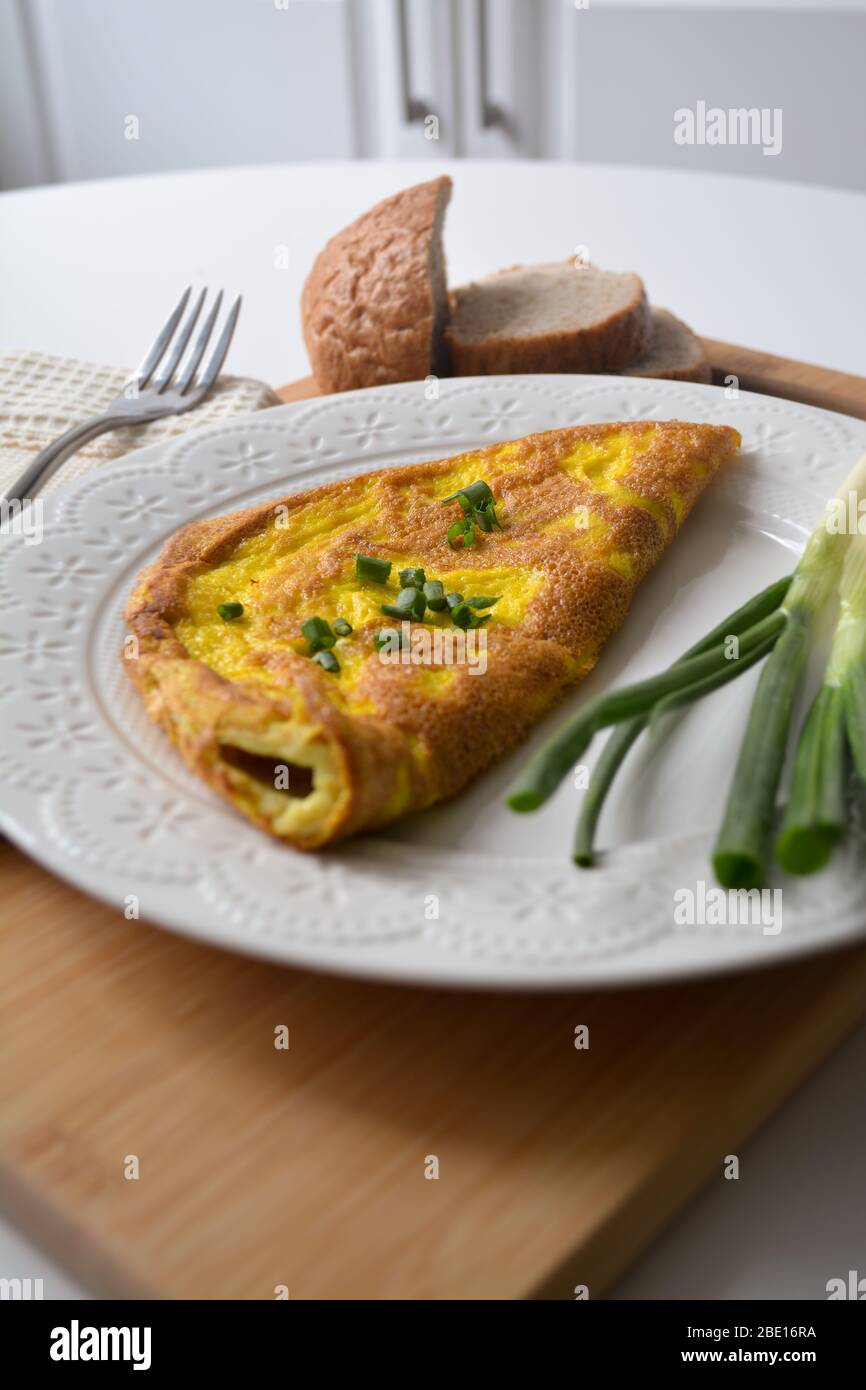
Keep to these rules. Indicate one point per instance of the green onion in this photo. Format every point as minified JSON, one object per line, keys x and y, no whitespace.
{"x":412,"y":579}
{"x":229,"y":611}
{"x":318,"y":634}
{"x":369,"y":567}
{"x":609,"y":762}
{"x":816,"y":813}
{"x":409,"y":603}
{"x":546,"y":770}
{"x":815,"y":817}
{"x":486,"y":518}
{"x":622,"y":738}
{"x":482,"y":601}
{"x":434,"y":592}
{"x":476,"y":495}
{"x":453,"y":600}
{"x":460,"y":531}
{"x":734,"y":668}
{"x":742,"y":848}
{"x":479,"y":509}
{"x":463,"y":617}
{"x":847,"y":667}
{"x":854,"y":695}
{"x":342,"y":627}
{"x":327,"y":661}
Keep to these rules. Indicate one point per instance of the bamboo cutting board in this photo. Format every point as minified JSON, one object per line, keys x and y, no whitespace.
{"x":308,"y":1169}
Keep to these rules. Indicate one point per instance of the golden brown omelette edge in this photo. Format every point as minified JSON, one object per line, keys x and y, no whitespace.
{"x":368,"y":770}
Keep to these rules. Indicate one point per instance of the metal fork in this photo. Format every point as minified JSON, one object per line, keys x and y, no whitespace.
{"x":146,"y":396}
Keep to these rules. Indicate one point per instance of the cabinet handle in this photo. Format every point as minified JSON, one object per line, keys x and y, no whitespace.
{"x":490,"y":114}
{"x":413,"y":109}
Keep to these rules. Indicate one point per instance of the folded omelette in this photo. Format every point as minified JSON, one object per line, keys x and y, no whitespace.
{"x":314,"y":748}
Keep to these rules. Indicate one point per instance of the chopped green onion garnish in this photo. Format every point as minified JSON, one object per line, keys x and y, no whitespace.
{"x":342,"y":627}
{"x":410,"y":603}
{"x":434,"y":592}
{"x":453,"y":599}
{"x":412,"y":579}
{"x":463,"y":617}
{"x":369,"y":567}
{"x":479,"y":509}
{"x":318,"y":634}
{"x":476,"y":494}
{"x":460,"y":531}
{"x":229,"y":611}
{"x":483,"y":601}
{"x":486,"y":518}
{"x":327,"y":661}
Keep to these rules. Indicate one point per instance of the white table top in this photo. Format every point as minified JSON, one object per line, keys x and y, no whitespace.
{"x":91,"y":268}
{"x":89,"y":271}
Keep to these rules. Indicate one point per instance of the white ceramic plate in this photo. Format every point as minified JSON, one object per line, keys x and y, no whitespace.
{"x":467,"y":893}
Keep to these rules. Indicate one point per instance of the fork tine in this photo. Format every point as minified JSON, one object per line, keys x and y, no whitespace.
{"x":161,"y":341}
{"x":218,"y":356}
{"x":189,"y":367}
{"x":178,"y":347}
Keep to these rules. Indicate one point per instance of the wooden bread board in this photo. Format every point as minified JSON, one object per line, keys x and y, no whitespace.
{"x":305,"y":1167}
{"x":755,"y":371}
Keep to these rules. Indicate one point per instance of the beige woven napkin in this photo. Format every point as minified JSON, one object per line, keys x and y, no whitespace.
{"x":41,"y":396}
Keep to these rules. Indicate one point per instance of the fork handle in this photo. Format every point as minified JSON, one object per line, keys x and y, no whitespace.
{"x":46,"y":463}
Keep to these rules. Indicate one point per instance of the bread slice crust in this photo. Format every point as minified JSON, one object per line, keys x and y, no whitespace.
{"x":674,"y":352}
{"x":375,"y":304}
{"x":589,"y":320}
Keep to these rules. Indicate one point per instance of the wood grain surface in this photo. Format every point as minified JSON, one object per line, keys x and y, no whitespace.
{"x":755,"y":371}
{"x":782,"y":376}
{"x":306,"y":1167}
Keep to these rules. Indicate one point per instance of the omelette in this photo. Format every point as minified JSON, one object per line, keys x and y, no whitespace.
{"x":338,"y":658}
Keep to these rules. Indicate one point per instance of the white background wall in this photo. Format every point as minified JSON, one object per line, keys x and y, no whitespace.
{"x":222,"y":82}
{"x":810,"y":62}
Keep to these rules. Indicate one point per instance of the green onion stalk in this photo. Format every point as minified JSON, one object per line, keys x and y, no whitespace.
{"x":742,"y":849}
{"x":701,"y":664}
{"x":622,"y":737}
{"x":777,"y":622}
{"x":816,"y":814}
{"x":848,"y":657}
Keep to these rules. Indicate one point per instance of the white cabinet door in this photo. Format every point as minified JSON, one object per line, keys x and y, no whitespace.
{"x":501,"y":45}
{"x":622,"y":71}
{"x":130,"y":87}
{"x":404,"y":55}
{"x":24,"y":153}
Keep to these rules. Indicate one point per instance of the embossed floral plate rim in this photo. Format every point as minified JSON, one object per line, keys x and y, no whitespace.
{"x":94,"y":793}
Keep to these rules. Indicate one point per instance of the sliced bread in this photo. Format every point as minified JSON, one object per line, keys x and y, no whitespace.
{"x":556,"y":317}
{"x":375,"y":304}
{"x":674,"y":352}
